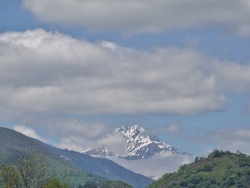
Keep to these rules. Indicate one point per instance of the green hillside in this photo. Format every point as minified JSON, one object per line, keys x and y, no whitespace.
{"x":13,"y":143}
{"x":219,"y":170}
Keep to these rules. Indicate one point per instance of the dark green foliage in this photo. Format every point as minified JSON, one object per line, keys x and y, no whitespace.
{"x":115,"y":184}
{"x":215,"y":153}
{"x":205,"y":168}
{"x":219,"y":170}
{"x":90,"y":184}
{"x":55,"y":183}
{"x":27,"y":169}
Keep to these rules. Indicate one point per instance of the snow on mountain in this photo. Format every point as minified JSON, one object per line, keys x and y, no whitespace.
{"x":140,"y":145}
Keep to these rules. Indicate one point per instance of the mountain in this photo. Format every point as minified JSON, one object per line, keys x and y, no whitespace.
{"x":142,"y":149}
{"x":220,"y":169}
{"x":140,"y":145}
{"x":78,"y":167}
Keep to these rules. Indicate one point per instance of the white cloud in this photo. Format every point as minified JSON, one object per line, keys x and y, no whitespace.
{"x":28,"y":132}
{"x":155,"y":166}
{"x":82,"y":136}
{"x":51,"y":73}
{"x":144,"y":16}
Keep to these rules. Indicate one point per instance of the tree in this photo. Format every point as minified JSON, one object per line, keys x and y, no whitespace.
{"x":10,"y":176}
{"x":54,"y":183}
{"x":90,"y":184}
{"x":28,"y":169}
{"x":215,"y":153}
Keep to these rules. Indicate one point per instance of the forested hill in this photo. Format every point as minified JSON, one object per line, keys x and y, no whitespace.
{"x":14,"y":144}
{"x":219,"y":170}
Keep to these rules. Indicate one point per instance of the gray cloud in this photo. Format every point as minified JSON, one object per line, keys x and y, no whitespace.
{"x":144,"y":16}
{"x":51,"y":73}
{"x":234,"y":139}
{"x":231,"y":139}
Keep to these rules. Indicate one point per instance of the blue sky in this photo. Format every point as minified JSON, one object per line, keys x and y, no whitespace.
{"x":71,"y":71}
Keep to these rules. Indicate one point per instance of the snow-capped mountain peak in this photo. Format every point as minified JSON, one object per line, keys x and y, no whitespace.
{"x":140,"y":145}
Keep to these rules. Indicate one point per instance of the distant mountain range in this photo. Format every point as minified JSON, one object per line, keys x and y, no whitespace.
{"x":81,"y":167}
{"x":141,"y":149}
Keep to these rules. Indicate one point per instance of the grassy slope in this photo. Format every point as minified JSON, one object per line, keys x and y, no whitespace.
{"x":223,"y":170}
{"x":12,"y":142}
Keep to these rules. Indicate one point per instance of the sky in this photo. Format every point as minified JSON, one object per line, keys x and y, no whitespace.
{"x":73,"y":70}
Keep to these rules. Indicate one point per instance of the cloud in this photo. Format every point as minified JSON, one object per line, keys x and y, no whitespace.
{"x":52,"y":73}
{"x":231,"y":139}
{"x":81,"y":136}
{"x":234,"y":139}
{"x":129,"y":16}
{"x":28,"y":132}
{"x":155,"y":166}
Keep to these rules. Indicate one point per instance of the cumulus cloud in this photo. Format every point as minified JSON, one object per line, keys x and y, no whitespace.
{"x":28,"y":132}
{"x":144,"y":16}
{"x":45,"y":72}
